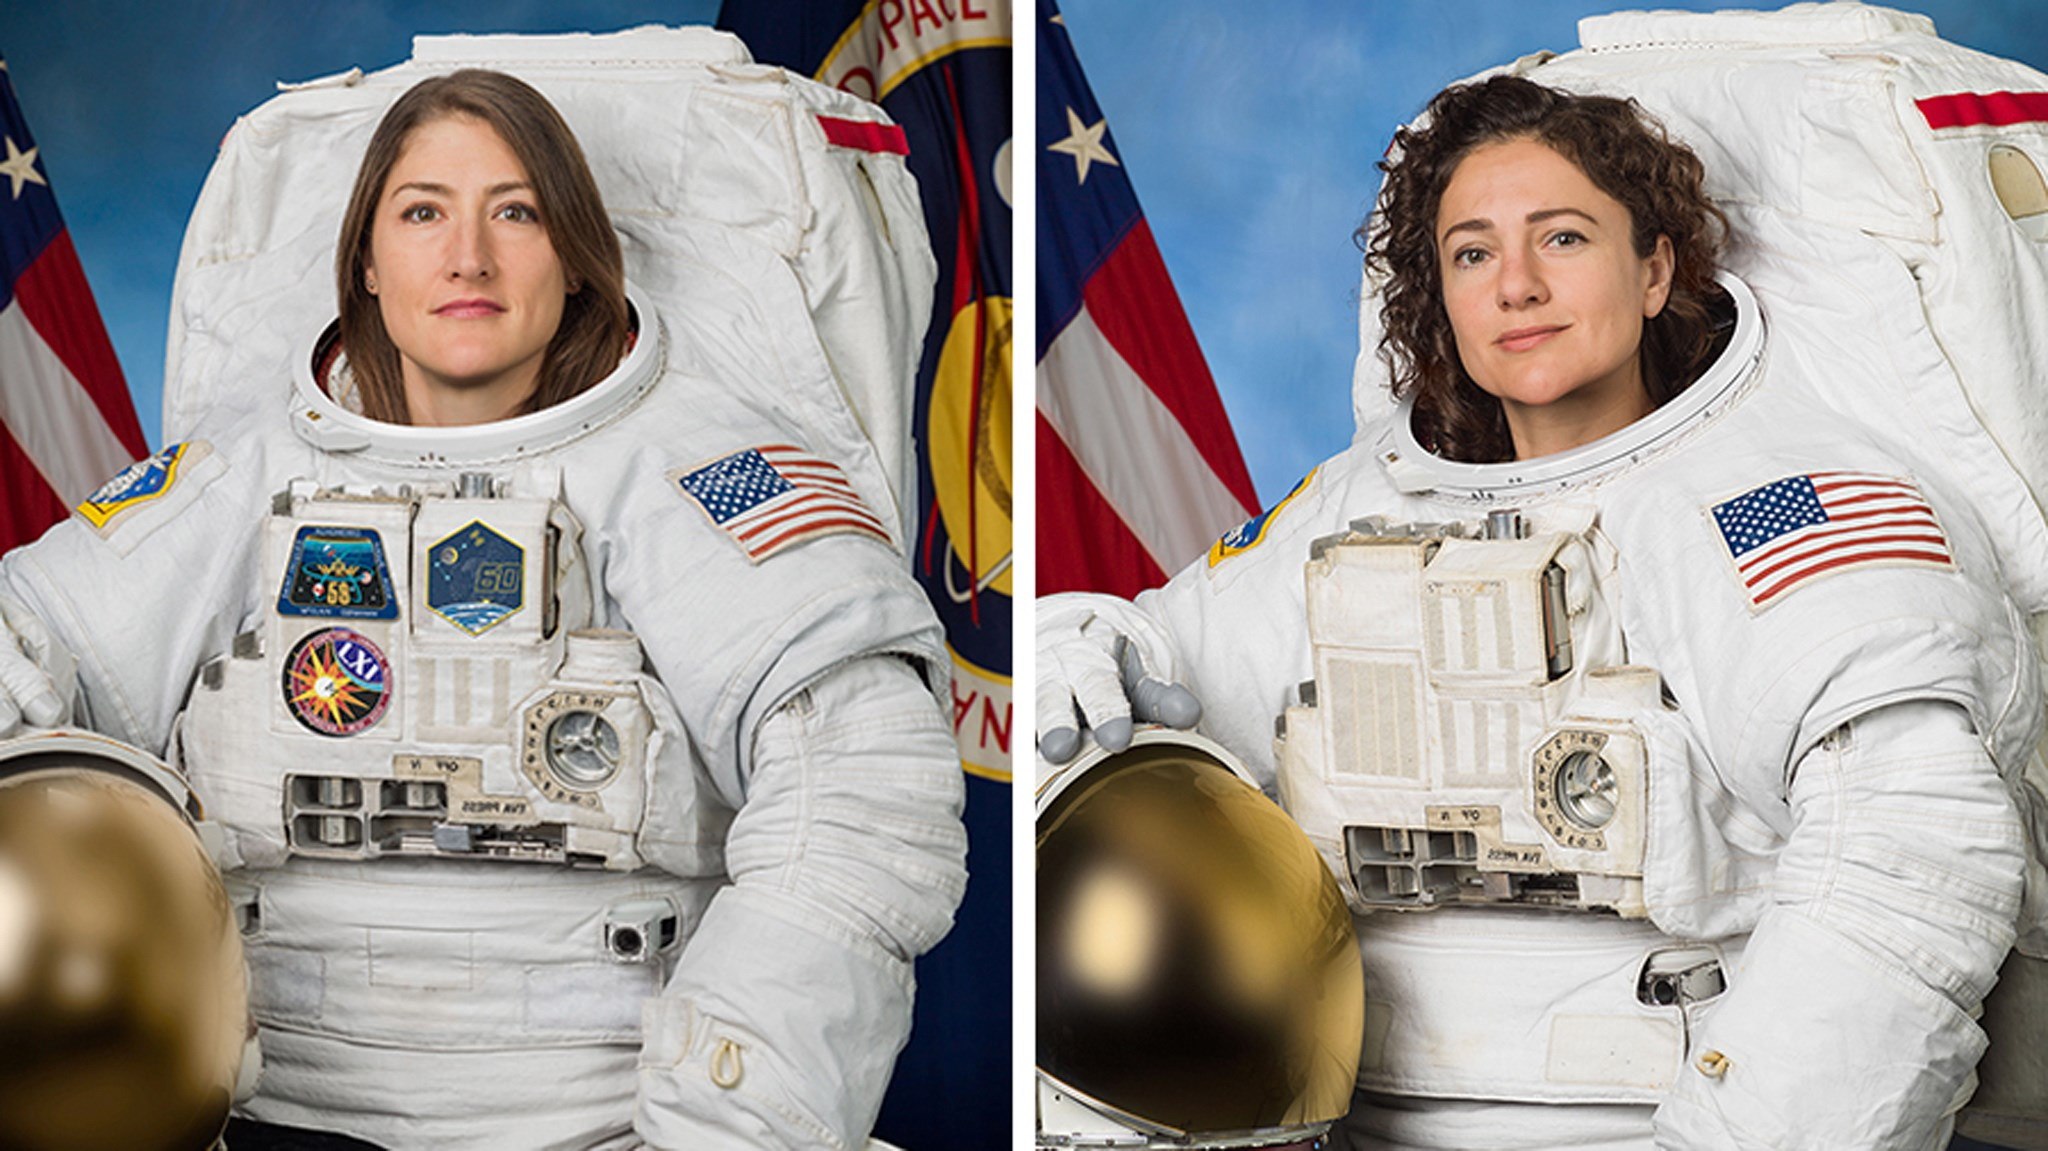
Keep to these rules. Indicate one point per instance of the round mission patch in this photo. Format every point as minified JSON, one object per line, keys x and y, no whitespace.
{"x":336,"y":682}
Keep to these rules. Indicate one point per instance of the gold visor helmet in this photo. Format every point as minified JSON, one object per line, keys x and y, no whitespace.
{"x":1199,"y":984}
{"x":123,"y":996}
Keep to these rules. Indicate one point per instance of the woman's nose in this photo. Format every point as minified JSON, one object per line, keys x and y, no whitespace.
{"x":469,"y":251}
{"x":1520,"y":282}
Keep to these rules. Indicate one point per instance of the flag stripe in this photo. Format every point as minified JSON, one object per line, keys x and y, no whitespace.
{"x":1917,"y":555}
{"x":56,"y":423}
{"x":31,"y":506}
{"x":798,"y":506}
{"x":54,"y":297}
{"x":1824,"y":544}
{"x":1132,"y":448}
{"x":806,"y":506}
{"x":1902,"y":518}
{"x":816,"y":525}
{"x":1083,"y":544}
{"x":1992,"y":109}
{"x":1132,"y":301}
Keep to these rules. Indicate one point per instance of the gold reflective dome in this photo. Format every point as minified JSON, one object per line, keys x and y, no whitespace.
{"x":1196,"y":964}
{"x":123,"y":999}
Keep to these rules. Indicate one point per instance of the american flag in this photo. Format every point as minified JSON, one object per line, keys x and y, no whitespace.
{"x":66,"y":422}
{"x":776,"y":496}
{"x":1137,"y":467}
{"x":1786,"y":534}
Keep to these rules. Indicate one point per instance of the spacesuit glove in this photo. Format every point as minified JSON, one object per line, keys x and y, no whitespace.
{"x":36,"y":673}
{"x":1096,"y":658}
{"x":1848,"y":1023}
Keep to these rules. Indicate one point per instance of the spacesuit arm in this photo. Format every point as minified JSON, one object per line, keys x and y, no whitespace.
{"x":136,"y":604}
{"x":786,"y":1013}
{"x":1849,"y":1020}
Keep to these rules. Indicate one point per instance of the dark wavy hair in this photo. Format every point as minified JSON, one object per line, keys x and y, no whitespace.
{"x":596,"y":319}
{"x":1624,"y":152}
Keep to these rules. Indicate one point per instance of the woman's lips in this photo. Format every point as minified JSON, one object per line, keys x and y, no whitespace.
{"x":1523,"y":339}
{"x":469,"y":309}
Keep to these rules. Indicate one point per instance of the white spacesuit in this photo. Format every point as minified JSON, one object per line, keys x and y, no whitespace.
{"x":1861,"y":716}
{"x":1667,"y":688}
{"x":582,"y":776}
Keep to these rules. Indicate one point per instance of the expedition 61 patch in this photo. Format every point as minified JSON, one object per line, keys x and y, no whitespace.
{"x":336,"y":682}
{"x":476,"y":577}
{"x":337,"y":572}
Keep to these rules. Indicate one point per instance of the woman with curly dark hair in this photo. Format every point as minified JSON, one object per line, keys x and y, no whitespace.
{"x":1653,"y":208}
{"x":1702,"y":869}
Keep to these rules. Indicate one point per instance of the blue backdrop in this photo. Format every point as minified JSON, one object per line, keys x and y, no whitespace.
{"x":1251,"y":131}
{"x":129,"y":102}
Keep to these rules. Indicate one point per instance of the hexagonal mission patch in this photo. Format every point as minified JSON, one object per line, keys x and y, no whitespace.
{"x":475,"y":577}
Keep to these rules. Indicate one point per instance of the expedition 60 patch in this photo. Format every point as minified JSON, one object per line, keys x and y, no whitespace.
{"x":475,"y":577}
{"x":337,"y":572}
{"x":336,"y":682}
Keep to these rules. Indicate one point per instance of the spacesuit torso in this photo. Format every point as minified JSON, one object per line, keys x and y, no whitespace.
{"x":476,"y":713}
{"x":1573,"y":739}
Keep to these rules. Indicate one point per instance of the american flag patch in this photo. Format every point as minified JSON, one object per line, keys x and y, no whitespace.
{"x":1786,"y":534}
{"x":776,"y":496}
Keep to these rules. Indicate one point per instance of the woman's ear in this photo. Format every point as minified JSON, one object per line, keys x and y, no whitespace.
{"x":1657,"y":270}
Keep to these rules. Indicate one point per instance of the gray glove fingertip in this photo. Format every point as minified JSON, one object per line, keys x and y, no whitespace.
{"x":10,"y":716}
{"x":1167,"y":703}
{"x":1059,"y":744}
{"x":1114,"y":735}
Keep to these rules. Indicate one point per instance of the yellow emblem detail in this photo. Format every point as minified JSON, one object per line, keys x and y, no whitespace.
{"x":1252,"y":532}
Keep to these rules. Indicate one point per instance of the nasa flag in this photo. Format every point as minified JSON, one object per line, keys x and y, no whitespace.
{"x":941,"y":70}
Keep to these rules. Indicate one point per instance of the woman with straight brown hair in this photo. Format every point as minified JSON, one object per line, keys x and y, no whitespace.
{"x":570,"y":725}
{"x":593,"y":327}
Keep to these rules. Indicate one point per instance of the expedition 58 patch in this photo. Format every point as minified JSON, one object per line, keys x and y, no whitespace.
{"x":337,"y":572}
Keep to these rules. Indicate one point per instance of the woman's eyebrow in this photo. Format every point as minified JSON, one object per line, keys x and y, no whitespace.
{"x":432,"y":189}
{"x":1475,"y":224}
{"x":1538,"y":217}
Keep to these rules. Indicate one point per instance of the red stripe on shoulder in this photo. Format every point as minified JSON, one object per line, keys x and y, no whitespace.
{"x":865,"y":135}
{"x":1991,"y":109}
